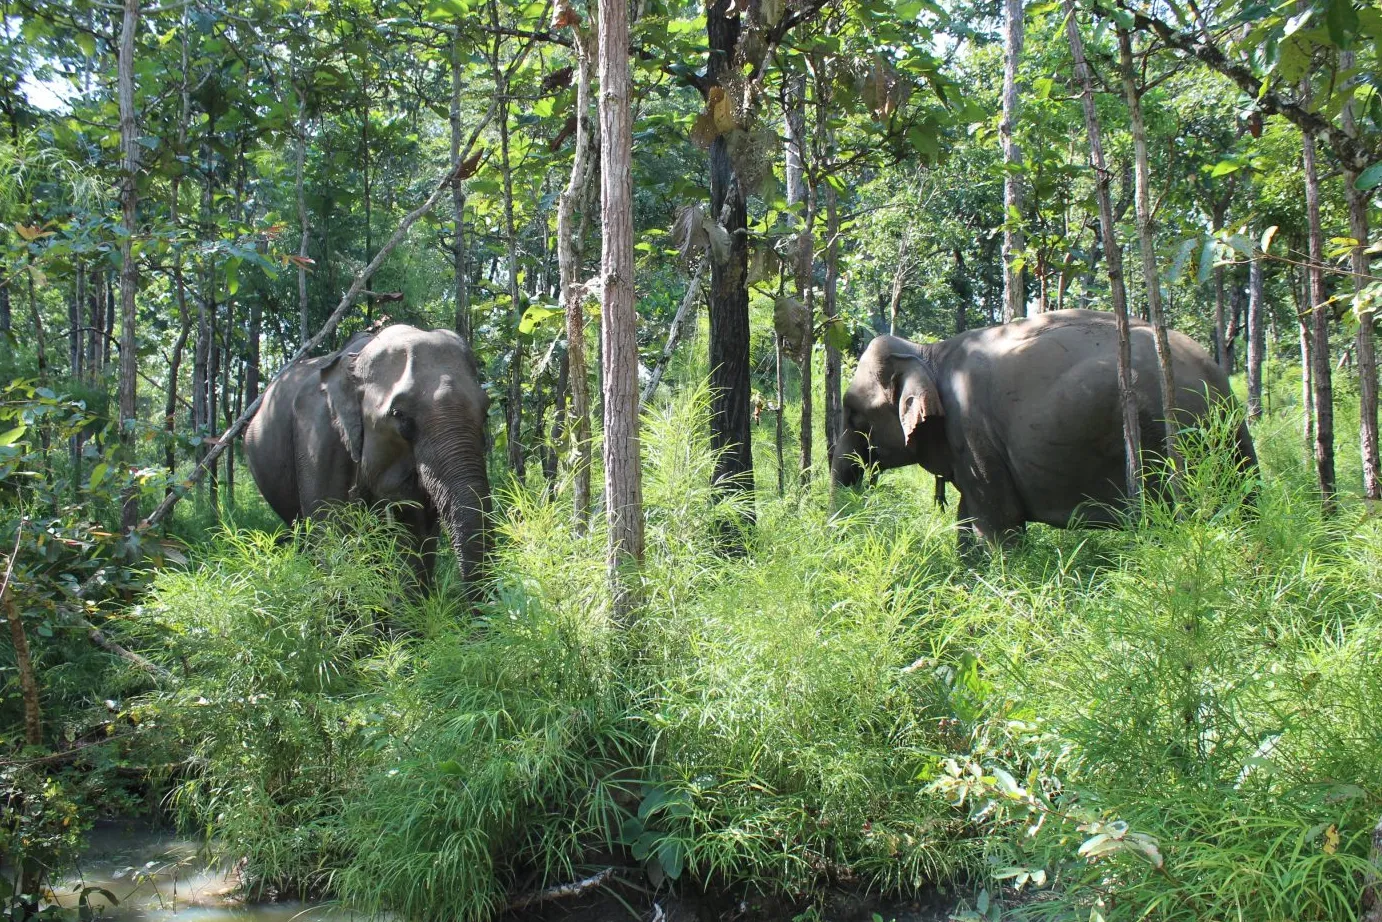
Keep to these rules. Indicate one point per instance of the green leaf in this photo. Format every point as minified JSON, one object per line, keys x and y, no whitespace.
{"x":12,"y":436}
{"x":1187,"y":247}
{"x":450,"y":767}
{"x":1267,"y":236}
{"x":534,"y":315}
{"x":1341,"y":21}
{"x":1043,"y":87}
{"x":1206,"y":261}
{"x":1369,"y":178}
{"x":98,"y":474}
{"x":1224,"y":167}
{"x":672,"y":856}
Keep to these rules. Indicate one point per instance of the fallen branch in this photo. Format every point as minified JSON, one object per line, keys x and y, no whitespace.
{"x":99,"y":638}
{"x":575,"y":888}
{"x":673,"y":337}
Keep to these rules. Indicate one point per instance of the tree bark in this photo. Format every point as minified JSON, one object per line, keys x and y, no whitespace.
{"x":1365,"y":345}
{"x":570,"y":245}
{"x":28,"y":680}
{"x":834,"y":396}
{"x":623,"y":480}
{"x":304,"y":227}
{"x":170,"y":405}
{"x":730,"y":383}
{"x":514,"y":408}
{"x":1257,"y":343}
{"x":1321,"y":371}
{"x":1301,"y":293}
{"x":803,"y":270}
{"x":1113,"y":255}
{"x":1014,"y":281}
{"x":129,"y":269}
{"x":1146,"y":236}
{"x":458,"y":254}
{"x":6,"y":314}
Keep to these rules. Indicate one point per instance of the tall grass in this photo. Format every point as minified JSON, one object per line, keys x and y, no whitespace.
{"x":789,"y":717}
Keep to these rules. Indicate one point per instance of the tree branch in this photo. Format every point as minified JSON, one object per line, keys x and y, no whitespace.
{"x":1353,"y":154}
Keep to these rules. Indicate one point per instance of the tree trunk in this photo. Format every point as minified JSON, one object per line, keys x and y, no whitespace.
{"x":94,"y":315}
{"x":1257,"y":343}
{"x":514,"y":408}
{"x":170,"y":405}
{"x":1321,"y":370}
{"x":570,"y":245}
{"x":803,"y":270}
{"x":834,"y":396}
{"x":74,"y":325}
{"x":6,"y":315}
{"x":109,"y":323}
{"x":730,"y":384}
{"x":1014,"y":282}
{"x":24,"y":665}
{"x":458,"y":254}
{"x":213,"y":377}
{"x":305,"y":229}
{"x":1146,"y":236}
{"x":1113,"y":254}
{"x":129,"y":269}
{"x":1365,"y":347}
{"x":369,"y":204}
{"x":623,"y":481}
{"x":1300,"y":291}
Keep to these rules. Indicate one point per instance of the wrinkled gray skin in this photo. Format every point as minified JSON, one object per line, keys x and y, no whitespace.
{"x":1023,"y":418}
{"x":395,"y":417}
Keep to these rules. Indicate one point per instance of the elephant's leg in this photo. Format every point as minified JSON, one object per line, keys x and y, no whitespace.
{"x":971,"y":549}
{"x":990,"y":503}
{"x":421,"y":524}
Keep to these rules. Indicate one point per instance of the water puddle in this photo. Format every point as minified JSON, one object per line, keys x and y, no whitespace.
{"x":157,"y":876}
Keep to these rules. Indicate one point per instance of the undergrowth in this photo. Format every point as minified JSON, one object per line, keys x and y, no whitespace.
{"x":843,"y":704}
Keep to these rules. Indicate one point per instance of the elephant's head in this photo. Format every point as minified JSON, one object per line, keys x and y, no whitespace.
{"x":409,"y":407}
{"x":893,"y":412}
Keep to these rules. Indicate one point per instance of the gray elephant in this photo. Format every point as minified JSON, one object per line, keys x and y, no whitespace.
{"x":395,"y":417}
{"x":1022,"y":418}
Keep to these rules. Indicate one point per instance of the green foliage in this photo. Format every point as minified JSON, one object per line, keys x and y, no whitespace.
{"x":1195,"y":713}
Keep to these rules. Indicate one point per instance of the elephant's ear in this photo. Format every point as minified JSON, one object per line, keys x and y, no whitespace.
{"x":343,"y":399}
{"x":917,"y":397}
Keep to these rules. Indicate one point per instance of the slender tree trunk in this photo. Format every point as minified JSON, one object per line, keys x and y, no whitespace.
{"x":213,"y":377}
{"x":834,"y":396}
{"x":569,"y":251}
{"x":1146,"y":236}
{"x":6,"y":314}
{"x":170,"y":405}
{"x":129,"y":269}
{"x":1113,"y":254}
{"x":304,"y":227}
{"x":1014,"y":282}
{"x":1365,"y":344}
{"x":94,"y":315}
{"x":109,"y":323}
{"x":514,"y":409}
{"x":623,"y":481}
{"x":1256,"y":341}
{"x":458,"y":254}
{"x":24,"y":664}
{"x":1321,"y":370}
{"x":369,"y":203}
{"x":730,"y":384}
{"x":1301,"y":291}
{"x":74,"y":324}
{"x":803,"y":271}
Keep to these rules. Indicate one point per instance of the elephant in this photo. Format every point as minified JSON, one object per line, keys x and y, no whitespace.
{"x":1023,"y":418}
{"x":395,"y":417}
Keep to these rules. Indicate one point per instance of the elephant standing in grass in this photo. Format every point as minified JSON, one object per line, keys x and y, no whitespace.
{"x":395,"y":417}
{"x":1023,"y":418}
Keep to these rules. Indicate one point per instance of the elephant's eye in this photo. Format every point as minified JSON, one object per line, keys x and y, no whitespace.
{"x":406,"y":427}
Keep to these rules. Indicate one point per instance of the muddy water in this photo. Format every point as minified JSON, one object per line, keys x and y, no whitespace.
{"x":159,"y":877}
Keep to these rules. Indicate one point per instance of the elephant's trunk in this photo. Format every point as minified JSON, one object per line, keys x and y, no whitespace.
{"x":845,"y":468}
{"x":451,"y":467}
